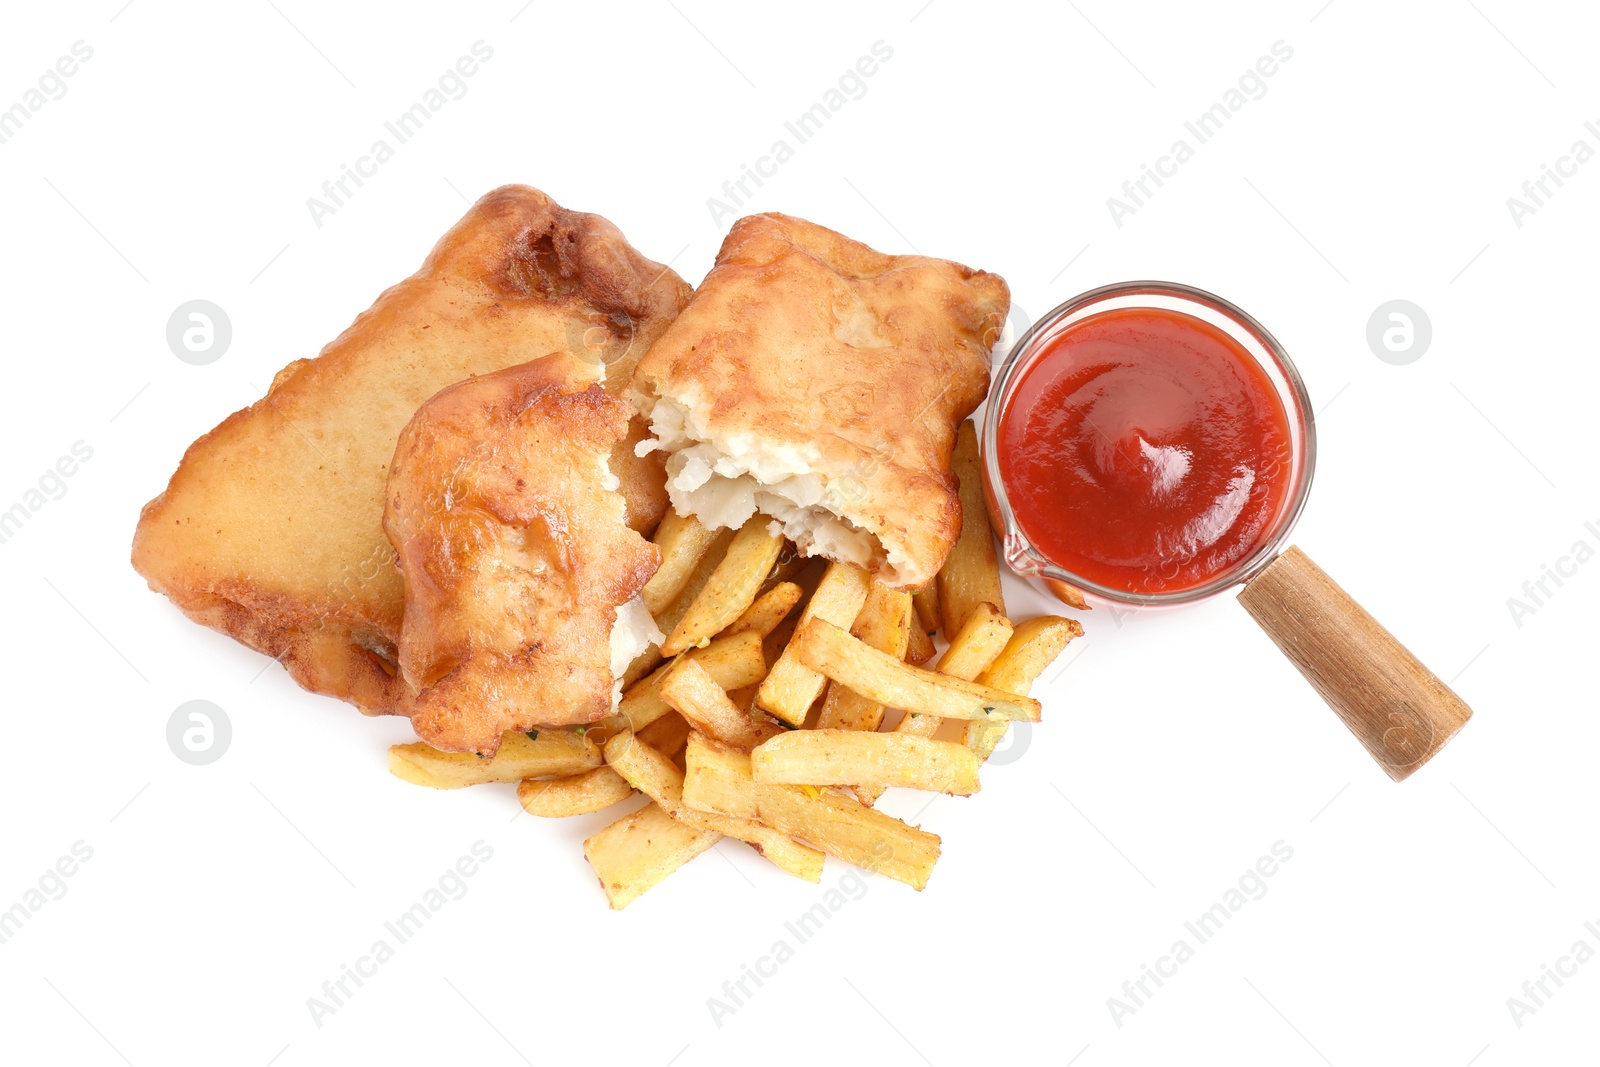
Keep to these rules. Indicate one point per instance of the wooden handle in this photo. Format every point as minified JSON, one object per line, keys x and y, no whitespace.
{"x":1393,"y":704}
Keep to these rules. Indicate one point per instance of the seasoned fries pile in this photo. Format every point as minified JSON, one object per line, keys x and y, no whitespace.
{"x":761,"y":716}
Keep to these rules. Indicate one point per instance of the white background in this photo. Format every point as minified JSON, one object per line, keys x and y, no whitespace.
{"x":1176,"y":749}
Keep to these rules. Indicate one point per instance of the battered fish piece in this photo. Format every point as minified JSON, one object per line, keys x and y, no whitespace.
{"x":821,"y":383}
{"x":271,"y":529}
{"x":519,"y":565}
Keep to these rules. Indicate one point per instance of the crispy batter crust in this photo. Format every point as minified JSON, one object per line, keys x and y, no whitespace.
{"x":270,"y":530}
{"x":801,"y":336}
{"x":515,"y":555}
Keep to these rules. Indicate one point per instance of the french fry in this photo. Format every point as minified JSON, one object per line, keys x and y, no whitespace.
{"x":667,"y":734}
{"x":1032,"y":648}
{"x":1069,"y":595}
{"x":637,"y":852}
{"x":767,"y":612}
{"x":848,"y":830}
{"x":919,"y":646}
{"x":858,"y":758}
{"x":719,"y":780}
{"x":885,"y":623}
{"x":831,"y":651}
{"x":602,"y":730}
{"x":555,"y":751}
{"x":682,"y":541}
{"x":573,"y":794}
{"x":653,"y":774}
{"x":668,"y":618}
{"x":791,"y":687}
{"x":969,"y":655}
{"x":971,"y":574}
{"x":926,"y":601}
{"x":699,"y":700}
{"x":710,"y":560}
{"x":977,"y":644}
{"x":808,"y":578}
{"x":731,"y":588}
{"x":731,"y":661}
{"x":790,"y":563}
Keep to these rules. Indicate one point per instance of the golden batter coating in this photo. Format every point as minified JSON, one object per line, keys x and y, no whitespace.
{"x":821,"y":382}
{"x":516,"y":553}
{"x":271,"y":529}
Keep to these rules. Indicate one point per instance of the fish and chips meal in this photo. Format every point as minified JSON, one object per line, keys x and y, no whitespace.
{"x":604,"y":536}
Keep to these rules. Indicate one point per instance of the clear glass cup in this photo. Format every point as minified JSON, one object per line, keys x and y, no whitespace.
{"x":1026,"y":559}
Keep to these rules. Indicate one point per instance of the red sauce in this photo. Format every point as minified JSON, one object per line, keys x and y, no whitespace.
{"x":1145,"y":450}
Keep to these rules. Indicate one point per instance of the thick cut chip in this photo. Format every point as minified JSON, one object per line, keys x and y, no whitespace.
{"x":926,"y":601}
{"x":885,"y":623}
{"x":270,"y":529}
{"x":717,"y":777}
{"x":733,"y":662}
{"x":1033,"y":647}
{"x":971,"y":576}
{"x":919,"y":647}
{"x":791,"y":687}
{"x":650,"y":772}
{"x":817,"y":381}
{"x":705,"y":706}
{"x":969,"y":655}
{"x":826,"y":648}
{"x":768,"y":611}
{"x":519,"y":564}
{"x":719,"y":780}
{"x":683,"y":543}
{"x":849,"y":830}
{"x":731,"y":590}
{"x":637,"y":852}
{"x":869,"y":760}
{"x":520,"y":756}
{"x":573,"y":794}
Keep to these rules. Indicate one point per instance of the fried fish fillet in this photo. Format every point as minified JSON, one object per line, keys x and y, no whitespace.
{"x":271,"y":529}
{"x":817,"y":381}
{"x":518,"y":561}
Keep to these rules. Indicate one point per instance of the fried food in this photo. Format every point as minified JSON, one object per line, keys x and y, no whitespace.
{"x":820,"y":382}
{"x":518,"y":561}
{"x":683,"y":542}
{"x":866,"y":759}
{"x":668,"y":734}
{"x":704,"y":704}
{"x":732,"y":662}
{"x":885,"y":623}
{"x":573,"y":794}
{"x":558,"y":752}
{"x":732,"y":589}
{"x":654,"y":775}
{"x":971,"y":574}
{"x":831,"y":651}
{"x":270,"y":531}
{"x":969,"y":655}
{"x":637,"y":852}
{"x":919,"y":647}
{"x":719,"y":780}
{"x":926,"y":601}
{"x":1033,"y":646}
{"x":768,"y":611}
{"x":791,"y":687}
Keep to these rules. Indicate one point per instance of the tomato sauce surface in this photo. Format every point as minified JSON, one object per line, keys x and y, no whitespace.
{"x":1146,"y":450}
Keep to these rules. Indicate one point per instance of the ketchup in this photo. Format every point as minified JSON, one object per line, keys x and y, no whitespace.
{"x":1145,"y":450}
